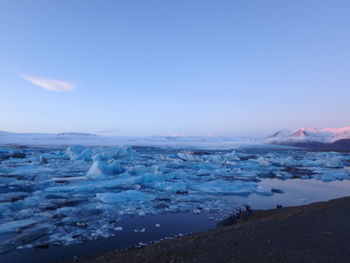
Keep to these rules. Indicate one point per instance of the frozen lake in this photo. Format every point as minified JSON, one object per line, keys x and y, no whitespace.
{"x":59,"y":203}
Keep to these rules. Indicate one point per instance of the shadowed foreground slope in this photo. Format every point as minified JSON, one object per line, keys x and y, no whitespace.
{"x":318,"y":232}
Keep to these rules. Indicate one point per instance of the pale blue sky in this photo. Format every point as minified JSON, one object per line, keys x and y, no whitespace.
{"x":174,"y":66}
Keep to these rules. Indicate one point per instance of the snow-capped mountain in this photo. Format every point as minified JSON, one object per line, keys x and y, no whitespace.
{"x":309,"y":135}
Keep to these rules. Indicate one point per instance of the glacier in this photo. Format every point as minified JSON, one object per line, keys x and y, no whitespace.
{"x":63,"y":196}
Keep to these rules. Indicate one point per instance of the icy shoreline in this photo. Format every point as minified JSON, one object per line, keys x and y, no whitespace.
{"x":63,"y":197}
{"x":288,"y":234}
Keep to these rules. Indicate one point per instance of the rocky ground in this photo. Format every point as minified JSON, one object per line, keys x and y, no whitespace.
{"x":319,"y":232}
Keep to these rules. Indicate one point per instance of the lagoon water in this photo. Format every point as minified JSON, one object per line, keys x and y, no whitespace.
{"x":82,"y":201}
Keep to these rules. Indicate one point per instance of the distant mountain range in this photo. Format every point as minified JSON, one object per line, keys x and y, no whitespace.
{"x":334,"y":139}
{"x":71,"y":138}
{"x":319,"y":139}
{"x":76,"y":134}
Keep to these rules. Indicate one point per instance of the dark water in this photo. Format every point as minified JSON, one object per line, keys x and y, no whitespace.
{"x":170,"y":225}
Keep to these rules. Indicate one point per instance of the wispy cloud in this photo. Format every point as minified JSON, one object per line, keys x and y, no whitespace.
{"x":49,"y":84}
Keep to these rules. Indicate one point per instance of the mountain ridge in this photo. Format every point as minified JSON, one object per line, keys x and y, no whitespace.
{"x":308,"y":137}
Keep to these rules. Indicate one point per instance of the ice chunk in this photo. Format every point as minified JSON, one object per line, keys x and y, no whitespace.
{"x":98,"y":170}
{"x":6,"y":153}
{"x":171,"y":187}
{"x":324,"y":159}
{"x":14,"y":225}
{"x":23,"y":238}
{"x":188,"y":156}
{"x":262,"y":161}
{"x":140,"y":230}
{"x":325,"y":177}
{"x":224,"y":187}
{"x":334,"y":162}
{"x":142,"y":213}
{"x":79,"y":152}
{"x":261,"y":191}
{"x":136,"y":170}
{"x":156,"y":177}
{"x":311,"y":159}
{"x":43,"y":159}
{"x":102,"y":170}
{"x":74,"y":151}
{"x":327,"y":174}
{"x":13,"y":196}
{"x":85,"y":155}
{"x":122,"y":180}
{"x":129,"y":195}
{"x":115,"y":153}
{"x":115,"y":167}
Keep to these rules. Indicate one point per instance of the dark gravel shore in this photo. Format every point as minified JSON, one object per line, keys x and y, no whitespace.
{"x":319,"y":232}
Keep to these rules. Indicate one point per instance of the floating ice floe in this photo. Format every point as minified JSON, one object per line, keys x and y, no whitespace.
{"x":142,"y":230}
{"x":129,"y":195}
{"x":15,"y":225}
{"x":225,"y":188}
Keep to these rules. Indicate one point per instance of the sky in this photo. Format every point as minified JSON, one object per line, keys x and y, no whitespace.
{"x":193,"y":67}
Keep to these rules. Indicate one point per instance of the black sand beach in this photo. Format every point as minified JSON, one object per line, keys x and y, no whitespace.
{"x":318,"y":232}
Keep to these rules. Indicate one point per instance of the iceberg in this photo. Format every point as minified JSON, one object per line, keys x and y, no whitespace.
{"x":102,"y":170}
{"x":98,"y":170}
